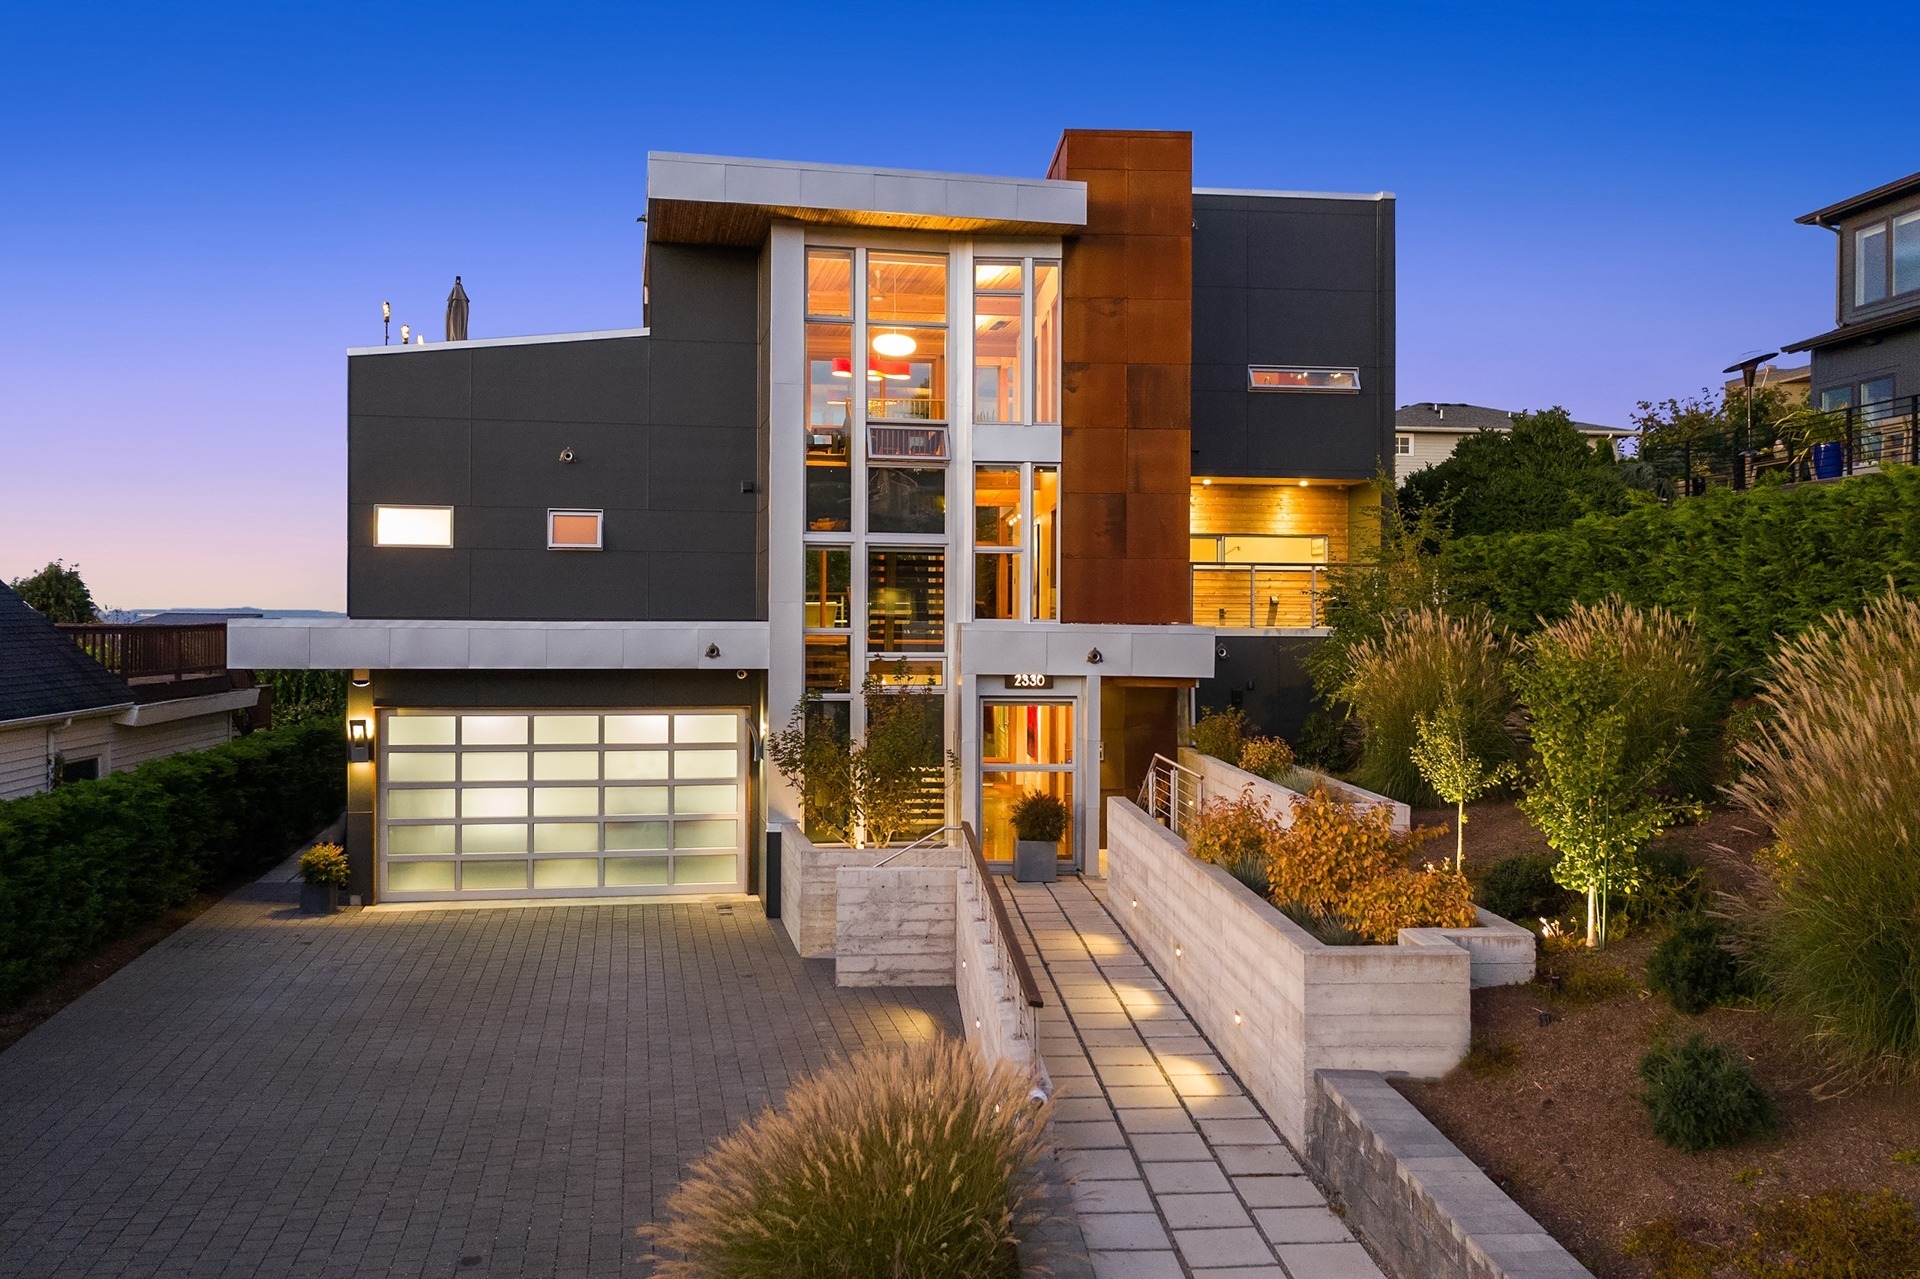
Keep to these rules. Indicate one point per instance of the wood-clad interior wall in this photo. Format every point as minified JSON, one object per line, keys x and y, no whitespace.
{"x":1126,"y":410}
{"x":1320,"y":510}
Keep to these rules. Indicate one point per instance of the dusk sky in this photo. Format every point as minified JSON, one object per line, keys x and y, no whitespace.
{"x":203,"y":207}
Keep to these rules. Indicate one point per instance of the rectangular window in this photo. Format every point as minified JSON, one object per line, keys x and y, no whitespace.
{"x":996,"y":585}
{"x":997,"y":342}
{"x":1283,"y":377}
{"x":910,"y":386}
{"x":829,"y":665}
{"x":906,"y":601}
{"x":573,"y":530}
{"x":1906,"y":252}
{"x":1024,"y":747}
{"x":905,"y":287}
{"x":830,"y":380}
{"x":830,"y":282}
{"x":900,"y":672}
{"x":829,"y":571}
{"x":906,"y":443}
{"x":1878,"y":391}
{"x":1046,"y":543}
{"x":996,"y":506}
{"x":1259,"y":548}
{"x":1869,"y":264}
{"x":1836,"y":400}
{"x":413,"y":525}
{"x":900,"y":500}
{"x":1403,"y":446}
{"x":1046,"y":342}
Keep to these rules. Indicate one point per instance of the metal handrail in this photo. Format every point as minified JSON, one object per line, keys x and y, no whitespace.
{"x":1315,"y":590}
{"x":1165,"y":799}
{"x":918,"y":843}
{"x":1003,"y":924}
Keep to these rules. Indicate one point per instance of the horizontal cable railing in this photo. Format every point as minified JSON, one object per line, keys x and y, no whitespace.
{"x":1806,"y":445}
{"x":154,"y":652}
{"x":1172,"y":795}
{"x":1259,"y":595}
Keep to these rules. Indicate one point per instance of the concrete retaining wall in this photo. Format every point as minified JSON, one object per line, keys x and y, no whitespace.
{"x":1425,"y":1205}
{"x":1303,"y":1006}
{"x":1221,"y":780}
{"x":894,"y":925}
{"x":809,"y":887}
{"x":996,"y":1016}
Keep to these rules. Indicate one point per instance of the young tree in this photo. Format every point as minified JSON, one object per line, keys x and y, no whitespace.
{"x":57,"y":592}
{"x":1613,"y":694}
{"x":1445,"y":752}
{"x":1541,"y":473}
{"x":871,"y":792}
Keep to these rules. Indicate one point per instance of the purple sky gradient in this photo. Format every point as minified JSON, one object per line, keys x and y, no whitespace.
{"x":203,"y":207}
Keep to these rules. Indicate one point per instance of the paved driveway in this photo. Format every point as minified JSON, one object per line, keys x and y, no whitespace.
{"x":450,"y":1093}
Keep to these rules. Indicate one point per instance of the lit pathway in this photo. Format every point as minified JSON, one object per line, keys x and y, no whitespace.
{"x":1179,"y":1172}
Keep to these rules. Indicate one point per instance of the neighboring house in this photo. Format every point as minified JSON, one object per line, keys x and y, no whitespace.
{"x":1868,"y":365}
{"x":1427,"y":434}
{"x":66,"y":716}
{"x":1797,"y":383}
{"x":1109,"y":428}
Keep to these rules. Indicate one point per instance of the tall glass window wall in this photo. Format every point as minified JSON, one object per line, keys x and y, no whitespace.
{"x":1016,"y":340}
{"x":1016,"y":542}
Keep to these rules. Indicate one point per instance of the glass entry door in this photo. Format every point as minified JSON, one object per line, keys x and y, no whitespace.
{"x":1024,"y":746}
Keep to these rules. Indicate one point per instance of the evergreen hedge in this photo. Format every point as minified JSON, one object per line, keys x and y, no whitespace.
{"x":1746,"y":567}
{"x":89,"y":862}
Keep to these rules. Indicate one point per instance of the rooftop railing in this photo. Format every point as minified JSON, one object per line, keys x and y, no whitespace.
{"x":1803,"y":446}
{"x":154,"y":654}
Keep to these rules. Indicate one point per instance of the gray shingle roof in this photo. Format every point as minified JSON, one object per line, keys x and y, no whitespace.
{"x":1474,"y":417}
{"x":42,"y":672}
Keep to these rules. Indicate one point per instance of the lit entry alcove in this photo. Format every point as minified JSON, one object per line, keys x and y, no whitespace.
{"x":561,"y":803}
{"x":1025,"y":745}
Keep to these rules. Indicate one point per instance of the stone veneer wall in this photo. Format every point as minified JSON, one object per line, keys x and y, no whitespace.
{"x":1303,"y":1006}
{"x":1426,"y":1206}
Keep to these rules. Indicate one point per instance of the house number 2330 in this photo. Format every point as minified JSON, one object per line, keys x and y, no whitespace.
{"x":1031,"y":681}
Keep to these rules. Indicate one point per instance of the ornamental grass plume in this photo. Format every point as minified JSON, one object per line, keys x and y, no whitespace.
{"x":1834,"y":767}
{"x":1425,"y":661}
{"x":906,"y":1163}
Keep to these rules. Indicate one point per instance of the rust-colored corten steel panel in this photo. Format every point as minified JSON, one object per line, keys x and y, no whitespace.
{"x":1127,"y":366}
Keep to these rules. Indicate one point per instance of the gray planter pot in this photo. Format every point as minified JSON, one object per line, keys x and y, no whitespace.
{"x":1035,"y":862}
{"x":319,"y":899}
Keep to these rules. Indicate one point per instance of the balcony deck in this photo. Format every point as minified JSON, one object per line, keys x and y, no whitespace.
{"x":1260,"y":596}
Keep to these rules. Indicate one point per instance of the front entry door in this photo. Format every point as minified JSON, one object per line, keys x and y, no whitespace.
{"x":1025,"y":746}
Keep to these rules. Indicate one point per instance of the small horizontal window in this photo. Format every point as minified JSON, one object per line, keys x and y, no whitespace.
{"x":573,"y":530}
{"x":907,"y":443}
{"x":1403,"y":445}
{"x":413,"y":526}
{"x":1284,"y":377}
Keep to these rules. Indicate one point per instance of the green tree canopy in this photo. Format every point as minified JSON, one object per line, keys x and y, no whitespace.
{"x":57,"y":592}
{"x":1541,"y":474}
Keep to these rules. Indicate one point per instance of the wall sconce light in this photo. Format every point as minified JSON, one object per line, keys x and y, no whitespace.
{"x":713,"y":651}
{"x":1094,"y":658}
{"x":362,"y":678}
{"x":359,"y":741}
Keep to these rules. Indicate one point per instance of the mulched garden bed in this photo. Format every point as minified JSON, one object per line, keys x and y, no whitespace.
{"x":1552,"y":1113}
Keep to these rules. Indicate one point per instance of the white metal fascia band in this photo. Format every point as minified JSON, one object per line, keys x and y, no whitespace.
{"x":535,"y":339}
{"x":1298,"y":195}
{"x":334,"y":644}
{"x":1057,"y":648}
{"x":721,"y":179}
{"x":149,"y":713}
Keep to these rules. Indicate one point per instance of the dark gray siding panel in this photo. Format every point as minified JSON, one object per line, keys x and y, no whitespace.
{"x":665,"y":436}
{"x":1265,"y":676}
{"x":1895,"y":355}
{"x":1292,"y":280}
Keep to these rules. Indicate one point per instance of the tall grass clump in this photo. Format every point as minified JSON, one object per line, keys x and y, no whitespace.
{"x":904,"y":1162}
{"x":1618,"y":699}
{"x":1426,"y":666}
{"x":1835,"y":768}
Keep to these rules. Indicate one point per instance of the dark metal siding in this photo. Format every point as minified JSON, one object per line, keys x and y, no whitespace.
{"x":664,"y":431}
{"x":1292,"y":280}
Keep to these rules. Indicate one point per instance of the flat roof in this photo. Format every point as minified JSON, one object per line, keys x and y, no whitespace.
{"x":592,"y":335}
{"x":1297,"y":195}
{"x":716,"y":199}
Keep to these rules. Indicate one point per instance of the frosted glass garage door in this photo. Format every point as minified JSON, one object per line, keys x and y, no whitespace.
{"x":561,"y":803}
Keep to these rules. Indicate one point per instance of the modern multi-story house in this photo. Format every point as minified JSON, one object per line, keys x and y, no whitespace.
{"x":1427,"y":434}
{"x":1060,"y":450}
{"x":1868,"y":365}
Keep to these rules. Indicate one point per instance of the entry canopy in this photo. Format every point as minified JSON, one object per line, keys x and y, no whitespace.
{"x":707,"y":199}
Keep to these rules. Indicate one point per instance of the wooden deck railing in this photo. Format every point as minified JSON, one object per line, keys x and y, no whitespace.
{"x":153,"y":653}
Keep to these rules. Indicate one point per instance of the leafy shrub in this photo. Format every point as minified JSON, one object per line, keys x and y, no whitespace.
{"x":1668,"y":884}
{"x":1325,"y":927}
{"x":1423,"y":661}
{"x":299,"y":696}
{"x":916,"y":1161}
{"x":1222,"y":734}
{"x":1322,"y":742}
{"x":1523,"y":888}
{"x":1235,"y":836}
{"x":325,"y":864}
{"x":1267,"y":757}
{"x":1540,"y":473}
{"x":1700,"y":1095}
{"x":1694,"y":968}
{"x":1616,"y":697}
{"x":874,"y":791}
{"x":1835,"y":769}
{"x":1747,"y":567}
{"x":82,"y":865}
{"x":1039,"y":817}
{"x":1336,"y":859}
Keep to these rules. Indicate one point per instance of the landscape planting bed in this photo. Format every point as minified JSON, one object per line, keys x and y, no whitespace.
{"x":1552,"y":1112}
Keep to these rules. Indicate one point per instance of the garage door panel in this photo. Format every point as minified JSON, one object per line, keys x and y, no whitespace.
{"x":561,"y":802}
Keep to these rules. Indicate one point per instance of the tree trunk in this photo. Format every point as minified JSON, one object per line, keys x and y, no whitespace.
{"x":1593,"y":917}
{"x":1460,"y":839}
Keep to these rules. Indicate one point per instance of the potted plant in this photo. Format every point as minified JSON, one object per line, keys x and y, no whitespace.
{"x":1039,"y":823}
{"x":323,"y":873}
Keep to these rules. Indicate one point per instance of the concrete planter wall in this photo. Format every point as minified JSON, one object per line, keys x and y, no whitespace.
{"x":1277,"y":1003}
{"x":1223,"y":781}
{"x":996,"y":1016}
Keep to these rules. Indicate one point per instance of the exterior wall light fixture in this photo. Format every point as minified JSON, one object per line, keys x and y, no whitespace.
{"x":1236,"y":1019}
{"x":1094,"y":658}
{"x":1176,"y":952}
{"x":713,"y":651}
{"x":362,"y":678}
{"x":359,"y":741}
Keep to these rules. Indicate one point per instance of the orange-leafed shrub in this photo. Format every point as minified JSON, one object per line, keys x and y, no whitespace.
{"x":1431,"y":897}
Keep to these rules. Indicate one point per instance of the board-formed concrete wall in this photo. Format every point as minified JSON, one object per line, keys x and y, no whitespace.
{"x":894,"y":925}
{"x":1430,"y":1210}
{"x":1222,"y":781}
{"x":993,"y":1010}
{"x":1278,"y":1004}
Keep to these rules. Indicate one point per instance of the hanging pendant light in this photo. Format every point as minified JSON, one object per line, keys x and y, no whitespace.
{"x":842,"y":366}
{"x":893,"y":344}
{"x":893,"y":370}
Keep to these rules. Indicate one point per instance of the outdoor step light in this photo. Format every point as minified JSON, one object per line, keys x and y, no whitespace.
{"x":359,"y":742}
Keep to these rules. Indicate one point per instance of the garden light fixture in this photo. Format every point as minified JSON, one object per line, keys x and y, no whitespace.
{"x":359,"y":742}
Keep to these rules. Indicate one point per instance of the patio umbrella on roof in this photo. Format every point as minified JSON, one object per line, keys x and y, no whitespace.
{"x":457,"y":313}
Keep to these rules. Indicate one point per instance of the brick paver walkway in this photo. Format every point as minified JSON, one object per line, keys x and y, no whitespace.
{"x":446,"y":1093}
{"x":1178,"y":1171}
